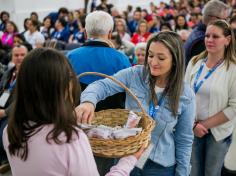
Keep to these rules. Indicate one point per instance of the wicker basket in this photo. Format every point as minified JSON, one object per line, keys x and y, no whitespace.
{"x":116,"y":148}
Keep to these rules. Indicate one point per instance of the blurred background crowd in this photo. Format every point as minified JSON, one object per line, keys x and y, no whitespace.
{"x":64,"y":29}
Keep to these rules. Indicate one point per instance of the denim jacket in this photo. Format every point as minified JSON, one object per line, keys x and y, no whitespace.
{"x":172,"y":136}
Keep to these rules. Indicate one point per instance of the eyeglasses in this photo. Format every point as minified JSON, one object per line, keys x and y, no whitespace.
{"x":219,"y":18}
{"x":140,"y":55}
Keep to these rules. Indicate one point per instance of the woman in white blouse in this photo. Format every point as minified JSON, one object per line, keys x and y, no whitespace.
{"x":212,"y":75}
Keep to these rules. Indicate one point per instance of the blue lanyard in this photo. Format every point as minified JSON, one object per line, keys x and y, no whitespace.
{"x":11,"y":86}
{"x":154,"y":109}
{"x":209,"y":73}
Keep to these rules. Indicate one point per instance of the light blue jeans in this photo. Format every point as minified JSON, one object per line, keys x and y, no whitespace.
{"x":208,"y":155}
{"x":153,"y":169}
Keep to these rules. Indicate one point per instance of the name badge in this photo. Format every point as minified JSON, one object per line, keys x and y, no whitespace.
{"x":3,"y":99}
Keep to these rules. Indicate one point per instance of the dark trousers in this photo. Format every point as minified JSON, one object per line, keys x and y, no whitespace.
{"x":3,"y":156}
{"x":104,"y":164}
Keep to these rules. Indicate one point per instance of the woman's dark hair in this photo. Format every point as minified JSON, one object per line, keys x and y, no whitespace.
{"x":48,"y":33}
{"x":165,"y":24}
{"x":36,"y":24}
{"x":174,"y":87}
{"x":20,"y":36}
{"x":62,"y":21}
{"x":35,"y":14}
{"x":25,"y":21}
{"x":24,"y":42}
{"x":116,"y":37}
{"x":14,"y":25}
{"x":63,"y":10}
{"x":46,"y":94}
{"x":177,"y":26}
{"x":4,"y":13}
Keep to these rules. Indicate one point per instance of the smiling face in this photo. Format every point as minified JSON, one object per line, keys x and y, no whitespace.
{"x":47,"y":23}
{"x":181,"y":21}
{"x":159,"y":60}
{"x":215,"y":40}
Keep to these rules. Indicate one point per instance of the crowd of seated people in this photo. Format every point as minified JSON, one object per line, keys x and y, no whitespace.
{"x":64,"y":29}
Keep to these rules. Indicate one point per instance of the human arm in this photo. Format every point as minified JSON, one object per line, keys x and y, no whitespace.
{"x":2,"y":113}
{"x":71,"y":38}
{"x":214,"y":120}
{"x":229,"y":112}
{"x":81,"y":160}
{"x":198,"y":128}
{"x":126,"y":164}
{"x":97,"y":91}
{"x":183,"y":135}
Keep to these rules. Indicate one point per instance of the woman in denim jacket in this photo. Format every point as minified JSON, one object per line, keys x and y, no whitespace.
{"x":160,"y":88}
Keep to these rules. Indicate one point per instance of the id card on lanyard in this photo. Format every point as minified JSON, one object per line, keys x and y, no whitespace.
{"x":196,"y":85}
{"x":154,"y":109}
{"x":6,"y":94}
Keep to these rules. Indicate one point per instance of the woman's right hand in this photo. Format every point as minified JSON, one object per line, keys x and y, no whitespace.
{"x":85,"y":112}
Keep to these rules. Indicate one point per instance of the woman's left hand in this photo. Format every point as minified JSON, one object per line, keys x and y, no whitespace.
{"x":200,"y":130}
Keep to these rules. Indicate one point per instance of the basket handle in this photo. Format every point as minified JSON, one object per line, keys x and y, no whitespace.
{"x":116,"y":81}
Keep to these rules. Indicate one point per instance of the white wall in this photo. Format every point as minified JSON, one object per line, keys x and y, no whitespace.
{"x":21,"y":9}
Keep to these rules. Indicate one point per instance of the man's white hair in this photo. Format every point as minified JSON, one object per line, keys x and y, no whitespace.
{"x":98,"y":23}
{"x":141,"y":45}
{"x":213,"y":8}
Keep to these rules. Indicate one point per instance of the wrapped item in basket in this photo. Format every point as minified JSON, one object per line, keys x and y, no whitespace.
{"x":116,"y":148}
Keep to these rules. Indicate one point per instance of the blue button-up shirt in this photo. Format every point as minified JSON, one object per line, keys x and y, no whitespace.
{"x":172,"y":136}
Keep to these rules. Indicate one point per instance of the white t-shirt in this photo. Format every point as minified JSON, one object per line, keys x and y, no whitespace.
{"x":159,"y":89}
{"x":203,"y":95}
{"x":34,"y":38}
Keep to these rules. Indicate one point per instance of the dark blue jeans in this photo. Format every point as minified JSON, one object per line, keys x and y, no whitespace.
{"x":208,"y":155}
{"x":3,"y":123}
{"x":153,"y":169}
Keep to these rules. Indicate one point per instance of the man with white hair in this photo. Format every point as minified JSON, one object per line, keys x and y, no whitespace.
{"x":213,"y":10}
{"x":140,"y":51}
{"x":98,"y":55}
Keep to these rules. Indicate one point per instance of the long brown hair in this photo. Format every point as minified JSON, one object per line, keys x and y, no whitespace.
{"x":229,"y":53}
{"x":174,"y":86}
{"x":46,"y":91}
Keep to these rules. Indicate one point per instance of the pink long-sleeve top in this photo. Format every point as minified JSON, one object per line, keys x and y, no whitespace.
{"x":7,"y":39}
{"x":69,"y":159}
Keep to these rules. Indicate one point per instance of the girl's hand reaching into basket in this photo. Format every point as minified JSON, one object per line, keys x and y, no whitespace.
{"x":85,"y":112}
{"x":139,"y":153}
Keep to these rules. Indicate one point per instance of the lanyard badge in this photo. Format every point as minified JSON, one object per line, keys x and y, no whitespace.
{"x":196,"y":85}
{"x":154,"y":109}
{"x":6,"y":94}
